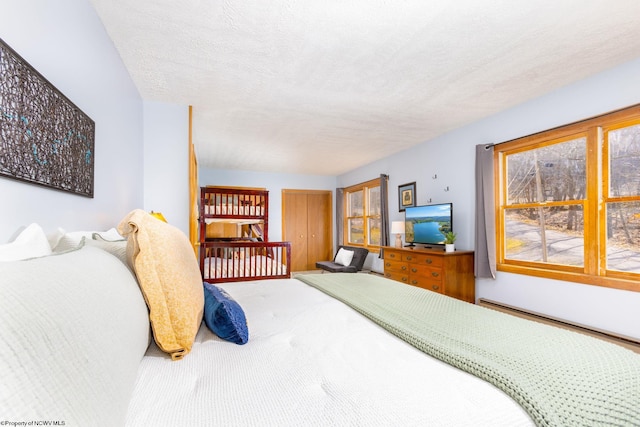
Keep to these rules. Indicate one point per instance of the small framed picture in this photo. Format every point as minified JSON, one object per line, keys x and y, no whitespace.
{"x":406,"y":196}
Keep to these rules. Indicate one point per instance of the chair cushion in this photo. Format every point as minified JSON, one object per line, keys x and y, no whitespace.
{"x":334,"y":267}
{"x":359,"y":257}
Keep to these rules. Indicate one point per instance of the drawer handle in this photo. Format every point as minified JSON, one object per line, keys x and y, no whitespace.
{"x":413,"y":270}
{"x":435,"y":287}
{"x":429,"y":261}
{"x":414,"y":282}
{"x":404,"y":279}
{"x":409,"y":257}
{"x":435,"y":273}
{"x":404,"y":267}
{"x":387,"y":275}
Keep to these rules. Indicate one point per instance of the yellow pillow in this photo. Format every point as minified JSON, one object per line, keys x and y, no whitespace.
{"x":170,"y":279}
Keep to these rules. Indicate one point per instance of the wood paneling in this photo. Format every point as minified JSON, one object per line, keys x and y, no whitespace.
{"x":193,"y":189}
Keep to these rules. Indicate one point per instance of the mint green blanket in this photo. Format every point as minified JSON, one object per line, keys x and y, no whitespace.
{"x":559,"y":377}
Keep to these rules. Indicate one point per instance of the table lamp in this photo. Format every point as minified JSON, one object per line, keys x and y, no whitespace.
{"x":397,"y":228}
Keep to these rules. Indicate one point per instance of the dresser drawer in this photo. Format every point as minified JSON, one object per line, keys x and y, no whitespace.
{"x":428,"y":272}
{"x":425,"y":283}
{"x":424,"y":259}
{"x":449,"y":273}
{"x":398,"y":276}
{"x":390,"y":255}
{"x":396,"y":266}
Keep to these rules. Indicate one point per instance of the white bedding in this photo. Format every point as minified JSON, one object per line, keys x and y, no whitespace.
{"x":310,"y":361}
{"x":73,"y":327}
{"x":254,"y":266}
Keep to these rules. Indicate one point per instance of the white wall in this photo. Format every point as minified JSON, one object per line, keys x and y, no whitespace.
{"x":450,"y":157}
{"x":65,"y":41}
{"x":166,"y":162}
{"x":275,"y":183}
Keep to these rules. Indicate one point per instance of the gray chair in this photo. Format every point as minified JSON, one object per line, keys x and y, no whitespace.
{"x":359,"y":257}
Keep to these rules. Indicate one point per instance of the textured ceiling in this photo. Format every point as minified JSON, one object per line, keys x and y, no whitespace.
{"x":322,"y":87}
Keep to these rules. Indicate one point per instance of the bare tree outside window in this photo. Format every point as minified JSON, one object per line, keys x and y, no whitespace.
{"x":373,"y":217}
{"x":568,"y":202}
{"x":550,"y":185}
{"x":363,"y":210}
{"x":355,"y":214}
{"x":622,"y":214}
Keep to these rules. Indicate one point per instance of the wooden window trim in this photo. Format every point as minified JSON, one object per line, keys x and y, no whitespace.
{"x":597,"y":174}
{"x":365,"y":202}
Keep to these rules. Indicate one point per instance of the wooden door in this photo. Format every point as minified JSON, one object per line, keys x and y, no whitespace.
{"x":295,"y":227}
{"x":320,"y":245}
{"x":307,"y":225}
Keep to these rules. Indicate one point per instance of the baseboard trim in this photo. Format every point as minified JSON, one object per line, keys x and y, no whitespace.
{"x":625,"y":341}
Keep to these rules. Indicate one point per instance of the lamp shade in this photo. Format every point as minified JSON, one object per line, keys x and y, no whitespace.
{"x":397,"y":227}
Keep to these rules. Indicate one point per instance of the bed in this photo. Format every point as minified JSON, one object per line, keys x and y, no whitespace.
{"x":233,"y":204}
{"x":236,"y":260}
{"x":249,"y":256}
{"x":320,"y":355}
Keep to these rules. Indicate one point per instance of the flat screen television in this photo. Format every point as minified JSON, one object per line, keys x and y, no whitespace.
{"x":427,"y":224}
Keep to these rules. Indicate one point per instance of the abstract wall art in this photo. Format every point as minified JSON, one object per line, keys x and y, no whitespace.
{"x":44,"y":138}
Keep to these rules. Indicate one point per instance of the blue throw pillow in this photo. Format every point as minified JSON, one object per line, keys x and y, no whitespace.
{"x":224,"y":316}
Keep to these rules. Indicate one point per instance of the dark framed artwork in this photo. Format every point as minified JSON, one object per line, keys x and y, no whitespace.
{"x":406,"y":196}
{"x":45,"y":139}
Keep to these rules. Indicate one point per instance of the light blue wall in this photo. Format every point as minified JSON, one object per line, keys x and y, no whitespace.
{"x":166,"y":162}
{"x":65,"y":41}
{"x":141,"y":148}
{"x":275,"y":183}
{"x":450,"y":157}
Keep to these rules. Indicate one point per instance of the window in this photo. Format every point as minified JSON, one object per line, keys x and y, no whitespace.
{"x":362,"y":214}
{"x":569,"y":202}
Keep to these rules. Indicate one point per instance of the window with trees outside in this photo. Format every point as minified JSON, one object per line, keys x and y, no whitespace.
{"x":362,"y":214}
{"x":568,"y":202}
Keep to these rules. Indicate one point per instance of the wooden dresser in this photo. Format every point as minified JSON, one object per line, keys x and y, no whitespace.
{"x":449,"y":273}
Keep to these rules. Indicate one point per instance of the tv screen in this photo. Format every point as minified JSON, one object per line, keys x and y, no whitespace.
{"x":428,"y":224}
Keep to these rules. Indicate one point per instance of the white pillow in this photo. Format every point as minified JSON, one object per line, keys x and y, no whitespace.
{"x":55,"y":236}
{"x":74,"y":353}
{"x":72,"y":239}
{"x":32,"y":242}
{"x":344,"y":257}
